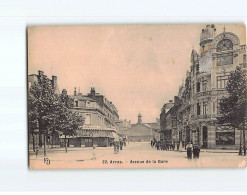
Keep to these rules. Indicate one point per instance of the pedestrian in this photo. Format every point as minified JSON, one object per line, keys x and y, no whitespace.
{"x":37,"y":150}
{"x":189,"y":150}
{"x":121,"y":145}
{"x":116,"y":147}
{"x":94,"y":154}
{"x":196,"y":151}
{"x":158,"y":145}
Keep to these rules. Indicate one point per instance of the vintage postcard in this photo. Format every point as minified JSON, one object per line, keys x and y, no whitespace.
{"x":137,"y":96}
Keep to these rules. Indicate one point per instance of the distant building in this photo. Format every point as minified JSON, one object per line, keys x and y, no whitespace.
{"x":168,"y":121}
{"x":142,"y":131}
{"x":121,"y":126}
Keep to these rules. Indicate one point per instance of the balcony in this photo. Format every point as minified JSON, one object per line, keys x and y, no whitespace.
{"x":221,"y":91}
{"x":202,"y":94}
{"x":242,"y":47}
{"x":243,"y":65}
{"x":204,"y":116}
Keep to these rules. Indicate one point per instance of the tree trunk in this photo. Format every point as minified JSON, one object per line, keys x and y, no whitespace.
{"x":44,"y":145}
{"x":40,"y":140}
{"x":66,"y":150}
{"x":244,"y":144}
{"x":52,"y":141}
{"x":240,"y":145}
{"x":33,"y":143}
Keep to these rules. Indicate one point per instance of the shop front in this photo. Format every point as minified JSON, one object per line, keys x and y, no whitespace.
{"x":92,"y":137}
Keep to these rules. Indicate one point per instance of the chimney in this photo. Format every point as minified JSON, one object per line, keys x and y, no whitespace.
{"x":64,"y":92}
{"x":176,"y":100}
{"x":41,"y":73}
{"x":75,"y":91}
{"x":92,"y":93}
{"x":54,"y":84}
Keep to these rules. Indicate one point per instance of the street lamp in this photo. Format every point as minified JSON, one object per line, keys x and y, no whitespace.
{"x":36,"y":132}
{"x":240,"y":145}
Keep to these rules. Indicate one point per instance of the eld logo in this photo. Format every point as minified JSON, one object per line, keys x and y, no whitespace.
{"x":47,"y":161}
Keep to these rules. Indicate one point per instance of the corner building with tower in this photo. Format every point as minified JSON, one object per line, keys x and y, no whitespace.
{"x":197,"y":102}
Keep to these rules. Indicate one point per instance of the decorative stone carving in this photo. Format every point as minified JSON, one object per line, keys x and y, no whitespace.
{"x":225,"y":35}
{"x":225,"y":44}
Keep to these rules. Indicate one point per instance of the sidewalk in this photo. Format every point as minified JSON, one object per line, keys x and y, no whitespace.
{"x":59,"y":154}
{"x":213,"y":151}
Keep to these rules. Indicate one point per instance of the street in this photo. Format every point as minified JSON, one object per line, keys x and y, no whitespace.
{"x":134,"y":155}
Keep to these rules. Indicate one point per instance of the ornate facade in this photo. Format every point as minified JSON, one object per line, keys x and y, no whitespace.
{"x":204,"y":87}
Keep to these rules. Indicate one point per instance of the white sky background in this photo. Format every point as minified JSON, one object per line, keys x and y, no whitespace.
{"x":137,"y":67}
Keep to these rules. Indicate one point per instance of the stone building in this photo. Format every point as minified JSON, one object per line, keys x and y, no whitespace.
{"x":141,"y":132}
{"x":122,"y":126}
{"x":100,"y":115}
{"x":34,"y":78}
{"x":168,"y":121}
{"x":204,"y":87}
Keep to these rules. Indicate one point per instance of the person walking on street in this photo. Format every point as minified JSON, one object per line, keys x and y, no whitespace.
{"x":196,"y":151}
{"x":189,"y":150}
{"x":121,"y":145}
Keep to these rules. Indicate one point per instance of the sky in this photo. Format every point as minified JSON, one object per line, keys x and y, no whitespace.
{"x":137,"y":67}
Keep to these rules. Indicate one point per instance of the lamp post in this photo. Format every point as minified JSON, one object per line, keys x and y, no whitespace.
{"x":36,"y":133}
{"x":244,"y":143}
{"x":240,"y":145}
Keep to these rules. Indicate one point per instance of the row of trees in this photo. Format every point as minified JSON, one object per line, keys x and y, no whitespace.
{"x":233,"y":108}
{"x":49,"y":112}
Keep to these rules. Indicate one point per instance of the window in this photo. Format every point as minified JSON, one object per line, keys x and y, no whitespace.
{"x":193,"y":88}
{"x":204,"y":86}
{"x":244,"y":58}
{"x":225,"y":138}
{"x":222,"y":82}
{"x":225,"y":44}
{"x":204,"y":108}
{"x":198,"y":109}
{"x":88,"y":119}
{"x":76,"y":103}
{"x":213,"y":107}
{"x":218,"y":105}
{"x":198,"y":87}
{"x":224,"y":59}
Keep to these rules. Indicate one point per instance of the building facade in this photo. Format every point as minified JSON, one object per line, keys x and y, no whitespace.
{"x":203,"y":89}
{"x":142,"y":132}
{"x":100,"y":116}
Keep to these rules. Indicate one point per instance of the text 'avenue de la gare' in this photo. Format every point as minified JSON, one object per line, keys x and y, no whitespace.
{"x":134,"y":161}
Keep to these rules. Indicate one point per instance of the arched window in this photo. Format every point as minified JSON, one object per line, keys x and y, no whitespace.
{"x":225,"y":44}
{"x":198,"y":86}
{"x":76,"y":103}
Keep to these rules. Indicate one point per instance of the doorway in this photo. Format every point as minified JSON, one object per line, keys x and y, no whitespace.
{"x":205,"y":137}
{"x":88,"y":142}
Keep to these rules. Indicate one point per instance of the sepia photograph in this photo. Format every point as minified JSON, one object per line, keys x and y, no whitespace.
{"x":136,"y":96}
